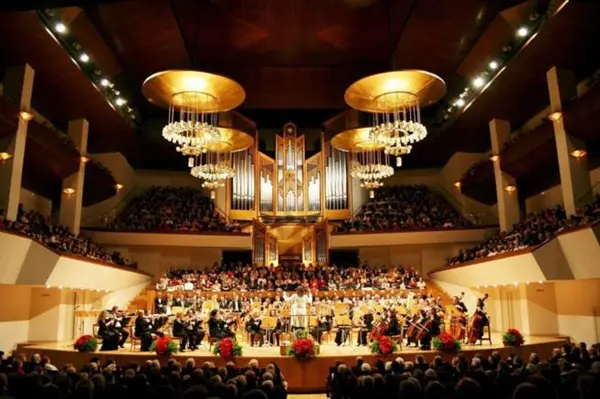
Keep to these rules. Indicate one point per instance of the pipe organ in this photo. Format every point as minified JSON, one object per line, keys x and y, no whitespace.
{"x":336,"y":178}
{"x":259,"y":240}
{"x":322,"y":242}
{"x":243,"y":182}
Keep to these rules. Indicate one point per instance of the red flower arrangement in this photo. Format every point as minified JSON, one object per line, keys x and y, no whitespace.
{"x":302,"y":348}
{"x":513,"y":337}
{"x":446,"y":343}
{"x":383,"y":346}
{"x":227,"y":348}
{"x":164,"y":346}
{"x":86,"y":343}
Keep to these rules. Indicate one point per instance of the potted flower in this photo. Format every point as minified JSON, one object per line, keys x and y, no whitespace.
{"x":227,"y":347}
{"x":303,"y":348}
{"x":513,"y":337}
{"x":164,"y":346}
{"x":86,"y":343}
{"x":384,"y":346}
{"x":446,"y":343}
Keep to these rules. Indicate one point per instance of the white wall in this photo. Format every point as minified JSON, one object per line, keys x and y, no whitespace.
{"x":36,"y":203}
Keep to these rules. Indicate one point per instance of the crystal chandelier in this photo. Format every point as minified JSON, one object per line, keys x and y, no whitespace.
{"x":213,"y":165}
{"x":398,"y":125}
{"x":370,"y":166}
{"x":192,"y":122}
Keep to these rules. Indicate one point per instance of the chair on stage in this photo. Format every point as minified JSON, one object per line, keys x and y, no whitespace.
{"x":487,"y":333}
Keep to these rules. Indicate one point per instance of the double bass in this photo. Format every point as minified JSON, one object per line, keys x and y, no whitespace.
{"x":478,"y":321}
{"x":458,"y":321}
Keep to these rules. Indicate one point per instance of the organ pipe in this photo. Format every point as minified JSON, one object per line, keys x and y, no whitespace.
{"x":336,"y":184}
{"x":243,"y":181}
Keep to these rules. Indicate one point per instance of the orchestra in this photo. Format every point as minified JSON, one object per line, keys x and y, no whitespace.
{"x":411,"y":318}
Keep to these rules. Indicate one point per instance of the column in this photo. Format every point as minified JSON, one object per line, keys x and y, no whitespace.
{"x":506,"y":185}
{"x":72,"y":187}
{"x":574,"y":175}
{"x":18,"y":86}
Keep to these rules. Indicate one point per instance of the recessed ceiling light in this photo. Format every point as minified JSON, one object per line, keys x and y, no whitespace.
{"x":120,"y":101}
{"x":460,"y":102}
{"x":522,"y":32}
{"x":494,"y":65}
{"x":104,"y":82}
{"x":60,"y":28}
{"x":84,"y":57}
{"x":479,"y":82}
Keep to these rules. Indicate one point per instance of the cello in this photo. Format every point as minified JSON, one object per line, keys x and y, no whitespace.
{"x":478,"y":321}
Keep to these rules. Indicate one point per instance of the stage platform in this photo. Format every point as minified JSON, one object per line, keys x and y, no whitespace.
{"x":303,"y":376}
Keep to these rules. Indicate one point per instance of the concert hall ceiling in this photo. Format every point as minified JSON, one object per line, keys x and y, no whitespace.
{"x":295,"y":58}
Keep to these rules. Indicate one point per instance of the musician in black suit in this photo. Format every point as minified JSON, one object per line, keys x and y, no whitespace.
{"x":177,"y":302}
{"x":235,"y":305}
{"x":321,"y":327}
{"x":180,"y":331}
{"x":106,"y":330}
{"x":217,"y":327}
{"x":143,"y":330}
{"x":393,"y":324}
{"x":365,"y":328}
{"x":121,"y":322}
{"x":275,"y":335}
{"x":253,"y":326}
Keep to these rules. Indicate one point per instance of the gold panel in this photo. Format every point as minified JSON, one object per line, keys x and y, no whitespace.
{"x":232,"y":140}
{"x":429,"y":89}
{"x":355,"y":140}
{"x":160,"y":88}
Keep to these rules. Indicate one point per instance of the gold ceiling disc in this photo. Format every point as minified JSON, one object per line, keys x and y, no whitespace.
{"x":354,"y":140}
{"x":427,"y":87}
{"x":232,"y":140}
{"x":161,"y":87}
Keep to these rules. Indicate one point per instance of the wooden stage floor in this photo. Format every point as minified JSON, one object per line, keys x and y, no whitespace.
{"x":303,"y":376}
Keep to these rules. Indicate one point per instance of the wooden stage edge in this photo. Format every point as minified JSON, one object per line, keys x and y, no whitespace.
{"x":303,"y":376}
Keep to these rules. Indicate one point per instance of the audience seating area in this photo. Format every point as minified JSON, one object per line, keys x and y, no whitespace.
{"x":181,"y":209}
{"x":247,"y":278}
{"x":398,"y":208}
{"x":39,"y":378}
{"x":536,"y":229}
{"x":572,"y":372}
{"x":58,"y":238}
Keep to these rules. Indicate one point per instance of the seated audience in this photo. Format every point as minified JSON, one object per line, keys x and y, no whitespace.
{"x":326,"y":278}
{"x":534,"y":230}
{"x":41,"y":229}
{"x":21,"y":378}
{"x":482,"y":377}
{"x":182,"y":209}
{"x":398,"y":208}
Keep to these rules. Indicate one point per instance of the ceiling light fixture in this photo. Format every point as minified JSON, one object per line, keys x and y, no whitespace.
{"x":120,"y":101}
{"x":478,"y":82}
{"x":84,"y":159}
{"x":459,"y":103}
{"x":26,"y":116}
{"x":105,"y":82}
{"x":5,"y":156}
{"x":69,"y":191}
{"x":60,"y":28}
{"x":510,"y":188}
{"x":494,"y":158}
{"x":522,"y":31}
{"x":457,"y":184}
{"x":494,"y":65}
{"x":555,"y":116}
{"x":578,"y":154}
{"x":118,"y":186}
{"x":84,"y":57}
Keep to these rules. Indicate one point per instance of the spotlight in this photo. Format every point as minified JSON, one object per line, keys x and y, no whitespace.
{"x":118,"y":186}
{"x":120,"y":101}
{"x":60,"y":28}
{"x":84,"y":57}
{"x":457,"y":184}
{"x":372,"y":194}
{"x":510,"y":188}
{"x":522,"y":32}
{"x":578,"y":154}
{"x":213,"y":195}
{"x":105,"y":82}
{"x":479,"y":82}
{"x":5,"y":156}
{"x":494,"y":65}
{"x":69,"y":191}
{"x":85,"y":159}
{"x":460,"y":102}
{"x":494,"y":158}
